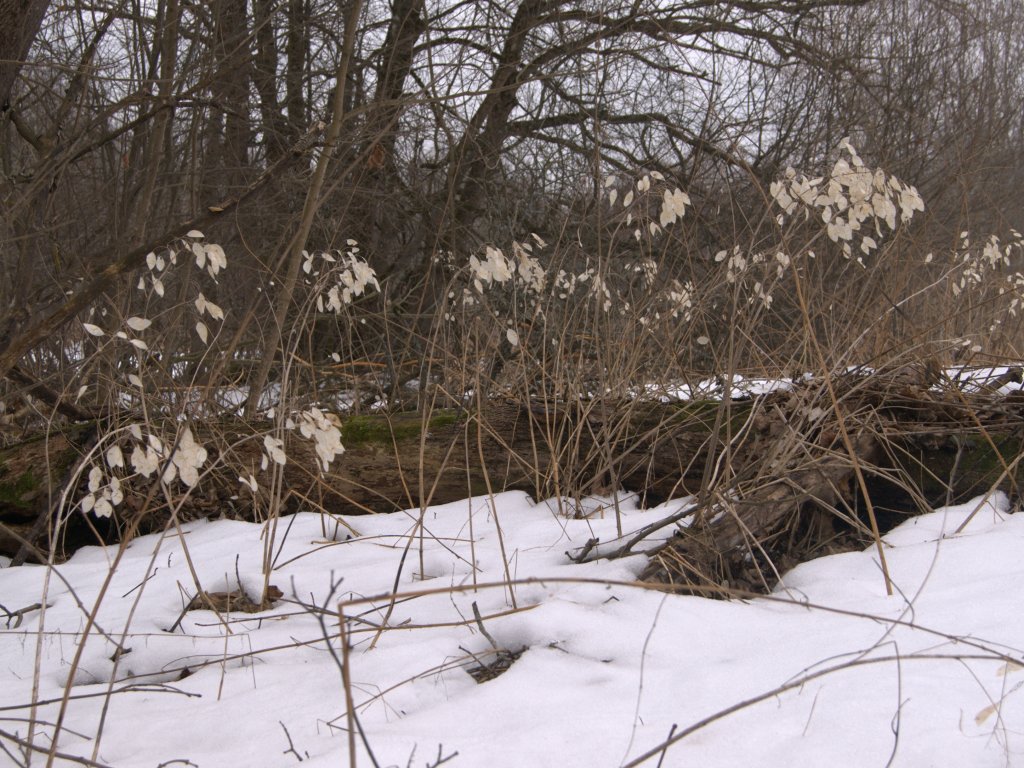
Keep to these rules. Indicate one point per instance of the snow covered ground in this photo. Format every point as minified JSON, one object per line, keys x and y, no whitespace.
{"x":829,"y":671}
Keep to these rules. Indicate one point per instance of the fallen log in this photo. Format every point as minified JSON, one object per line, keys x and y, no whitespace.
{"x":911,"y":449}
{"x":771,"y":473}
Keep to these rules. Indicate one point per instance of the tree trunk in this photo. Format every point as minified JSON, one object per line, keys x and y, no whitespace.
{"x":21,"y":22}
{"x":293,"y":258}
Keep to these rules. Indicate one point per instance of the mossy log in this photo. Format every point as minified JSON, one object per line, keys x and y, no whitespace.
{"x":773,"y":457}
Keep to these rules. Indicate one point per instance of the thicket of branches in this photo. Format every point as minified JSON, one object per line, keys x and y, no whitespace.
{"x":407,"y":137}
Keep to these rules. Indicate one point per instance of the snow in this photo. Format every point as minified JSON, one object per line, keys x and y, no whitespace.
{"x":839,"y":672}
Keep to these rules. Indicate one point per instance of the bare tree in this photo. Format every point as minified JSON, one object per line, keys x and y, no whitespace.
{"x":462,"y":123}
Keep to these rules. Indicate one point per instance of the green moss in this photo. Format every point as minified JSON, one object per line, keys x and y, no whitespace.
{"x":985,"y":461}
{"x":974,"y":468}
{"x":443,"y":419}
{"x":705,"y":412}
{"x":20,"y":492}
{"x":356,"y":430}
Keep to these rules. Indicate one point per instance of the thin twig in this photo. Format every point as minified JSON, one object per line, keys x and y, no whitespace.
{"x":483,"y":630}
{"x":291,"y":745}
